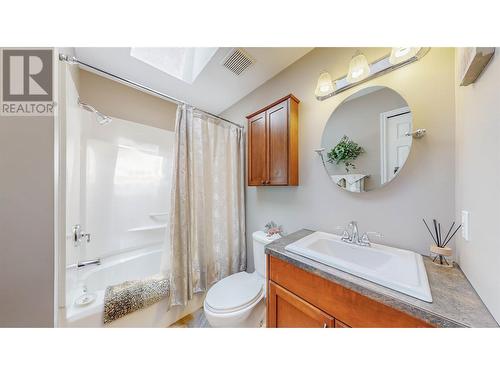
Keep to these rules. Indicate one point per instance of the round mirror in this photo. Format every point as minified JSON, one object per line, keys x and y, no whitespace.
{"x":367,"y":139}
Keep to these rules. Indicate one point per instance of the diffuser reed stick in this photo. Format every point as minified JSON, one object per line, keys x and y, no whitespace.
{"x":435,"y":241}
{"x":449,"y":231}
{"x":456,"y":230}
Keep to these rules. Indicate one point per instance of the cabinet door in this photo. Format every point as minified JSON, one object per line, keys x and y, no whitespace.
{"x":277,"y":124}
{"x":257,"y":150}
{"x":286,"y":310}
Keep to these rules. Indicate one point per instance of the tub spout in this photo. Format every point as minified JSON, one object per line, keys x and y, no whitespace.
{"x":86,"y":263}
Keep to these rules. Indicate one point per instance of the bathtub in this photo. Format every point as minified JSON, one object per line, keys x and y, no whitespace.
{"x":116,"y":269}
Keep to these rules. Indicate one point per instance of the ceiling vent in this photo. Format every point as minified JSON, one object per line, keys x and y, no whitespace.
{"x":238,"y":60}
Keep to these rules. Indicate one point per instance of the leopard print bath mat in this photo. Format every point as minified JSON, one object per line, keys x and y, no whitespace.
{"x":130,"y":296}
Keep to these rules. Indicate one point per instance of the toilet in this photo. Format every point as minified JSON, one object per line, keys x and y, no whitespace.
{"x":239,"y":299}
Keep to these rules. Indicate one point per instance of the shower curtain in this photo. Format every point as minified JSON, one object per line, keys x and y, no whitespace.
{"x":207,"y":220}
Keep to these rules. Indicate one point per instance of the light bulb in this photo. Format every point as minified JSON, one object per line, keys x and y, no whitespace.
{"x":358,"y":68}
{"x":400,"y":54}
{"x":325,"y":85}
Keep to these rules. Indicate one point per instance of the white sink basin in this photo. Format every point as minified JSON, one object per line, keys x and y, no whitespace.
{"x":394,"y":268}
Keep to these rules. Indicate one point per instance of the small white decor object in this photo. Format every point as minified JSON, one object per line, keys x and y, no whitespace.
{"x":472,"y":62}
{"x":352,"y":182}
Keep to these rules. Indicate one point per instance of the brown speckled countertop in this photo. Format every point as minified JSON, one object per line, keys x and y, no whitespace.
{"x":455,"y":302}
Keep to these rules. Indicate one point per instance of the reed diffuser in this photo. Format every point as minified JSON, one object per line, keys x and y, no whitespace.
{"x":439,"y":248}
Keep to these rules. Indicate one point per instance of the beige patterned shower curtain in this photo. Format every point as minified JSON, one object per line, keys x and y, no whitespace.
{"x":207,"y":220}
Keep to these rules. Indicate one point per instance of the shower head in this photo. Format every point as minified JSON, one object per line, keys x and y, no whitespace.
{"x":102,"y":119}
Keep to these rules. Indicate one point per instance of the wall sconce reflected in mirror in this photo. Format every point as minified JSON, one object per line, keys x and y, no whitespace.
{"x":361,"y":71}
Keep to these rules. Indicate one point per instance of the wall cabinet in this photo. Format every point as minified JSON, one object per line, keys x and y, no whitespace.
{"x":297,"y":298}
{"x":273,"y":144}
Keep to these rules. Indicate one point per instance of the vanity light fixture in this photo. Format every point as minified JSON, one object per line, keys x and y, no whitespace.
{"x":361,"y":71}
{"x":400,"y":54}
{"x":325,"y":85}
{"x":358,"y":68}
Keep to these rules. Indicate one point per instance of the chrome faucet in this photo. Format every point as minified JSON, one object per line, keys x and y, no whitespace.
{"x":354,"y":232}
{"x":86,"y":263}
{"x":353,"y":236}
{"x":78,"y":236}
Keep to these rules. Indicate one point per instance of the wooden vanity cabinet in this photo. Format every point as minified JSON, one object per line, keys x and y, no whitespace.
{"x":297,"y":298}
{"x":273,"y":144}
{"x":293,"y":312}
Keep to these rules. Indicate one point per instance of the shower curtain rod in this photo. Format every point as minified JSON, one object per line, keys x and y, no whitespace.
{"x":73,"y":61}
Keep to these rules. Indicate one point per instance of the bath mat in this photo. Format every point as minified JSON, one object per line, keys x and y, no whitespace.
{"x":130,"y":296}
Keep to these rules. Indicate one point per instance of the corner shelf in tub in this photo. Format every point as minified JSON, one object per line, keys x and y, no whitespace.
{"x":148,"y":227}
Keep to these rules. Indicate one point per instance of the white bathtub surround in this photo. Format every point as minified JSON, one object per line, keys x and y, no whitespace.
{"x":118,"y":180}
{"x":208,"y":212}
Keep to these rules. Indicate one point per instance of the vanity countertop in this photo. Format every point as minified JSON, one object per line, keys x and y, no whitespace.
{"x":455,"y":302}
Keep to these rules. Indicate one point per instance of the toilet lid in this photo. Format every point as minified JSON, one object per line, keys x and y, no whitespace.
{"x":235,"y":292}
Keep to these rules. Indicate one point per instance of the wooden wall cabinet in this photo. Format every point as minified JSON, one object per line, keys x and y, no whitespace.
{"x":273,"y":145}
{"x":300,"y":299}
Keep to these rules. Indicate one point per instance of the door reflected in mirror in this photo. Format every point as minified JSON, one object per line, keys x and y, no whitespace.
{"x":367,"y":139}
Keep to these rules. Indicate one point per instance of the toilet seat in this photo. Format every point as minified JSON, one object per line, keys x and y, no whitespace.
{"x":235,"y":293}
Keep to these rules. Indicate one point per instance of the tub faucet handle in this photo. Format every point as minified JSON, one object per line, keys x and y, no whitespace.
{"x":78,"y":236}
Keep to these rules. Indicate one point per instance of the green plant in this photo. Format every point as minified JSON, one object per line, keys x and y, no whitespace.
{"x":345,"y":152}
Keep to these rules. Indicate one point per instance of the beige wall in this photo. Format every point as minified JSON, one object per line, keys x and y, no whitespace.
{"x":26,"y":221}
{"x":478,"y":182}
{"x":425,"y":186}
{"x":118,"y":100}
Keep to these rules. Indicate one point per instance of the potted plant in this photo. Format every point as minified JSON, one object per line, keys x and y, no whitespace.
{"x":346,"y":151}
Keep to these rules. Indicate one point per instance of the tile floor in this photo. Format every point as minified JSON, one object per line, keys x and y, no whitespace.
{"x":194,"y":320}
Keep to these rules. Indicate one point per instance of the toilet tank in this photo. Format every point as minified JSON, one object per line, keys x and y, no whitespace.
{"x":260,"y":240}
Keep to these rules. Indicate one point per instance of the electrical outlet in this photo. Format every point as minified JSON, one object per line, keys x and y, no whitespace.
{"x":466,"y":225}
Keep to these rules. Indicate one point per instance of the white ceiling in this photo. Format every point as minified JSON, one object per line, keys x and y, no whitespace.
{"x":214,"y":90}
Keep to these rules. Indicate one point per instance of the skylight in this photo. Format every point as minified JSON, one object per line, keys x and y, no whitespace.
{"x":182,"y":63}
